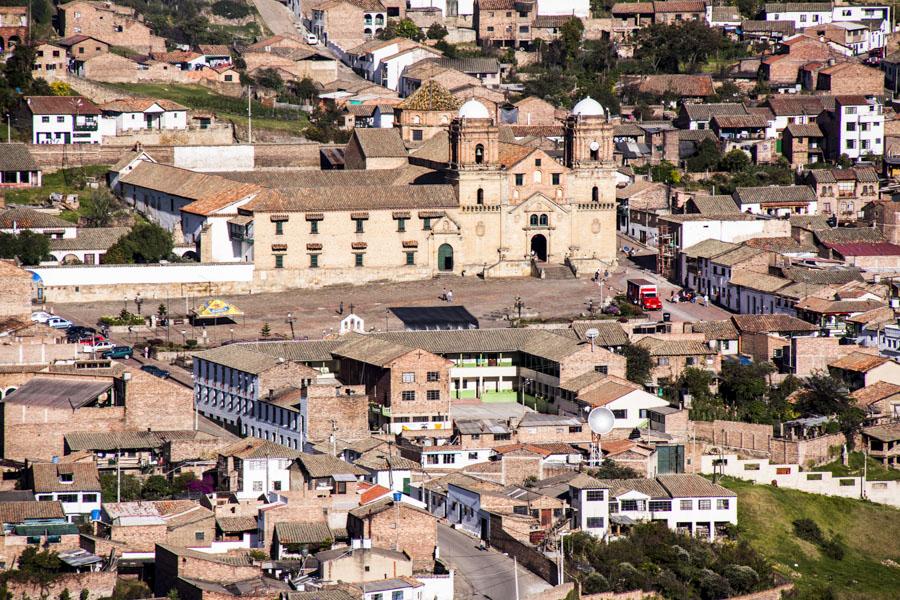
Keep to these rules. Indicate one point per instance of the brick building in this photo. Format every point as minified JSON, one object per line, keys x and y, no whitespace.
{"x":16,"y":300}
{"x":14,"y":27}
{"x":139,"y":526}
{"x":845,"y":78}
{"x":672,"y":356}
{"x":783,"y":69}
{"x":803,"y":144}
{"x":116,"y":25}
{"x":396,"y":526}
{"x":505,"y":23}
{"x":842,"y":193}
{"x":174,"y":563}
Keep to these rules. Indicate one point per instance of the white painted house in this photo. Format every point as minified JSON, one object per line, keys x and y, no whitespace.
{"x":856,"y":127}
{"x":252,"y":467}
{"x":63,"y":120}
{"x":76,"y":485}
{"x":628,"y":402}
{"x":141,"y":114}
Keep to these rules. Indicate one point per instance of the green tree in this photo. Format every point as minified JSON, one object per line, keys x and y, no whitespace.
{"x":266,"y":331}
{"x":65,"y":594}
{"x":707,"y":157}
{"x":741,"y":385}
{"x":734,"y":160}
{"x":305,"y":88}
{"x":570,"y":35}
{"x":610,"y":469}
{"x":825,"y":395}
{"x":436,"y":31}
{"x":269,"y":79}
{"x":39,"y":565}
{"x":402,"y":28}
{"x":637,"y":363}
{"x":156,"y":487}
{"x":181,"y":482}
{"x":100,"y":208}
{"x":131,"y":487}
{"x":145,"y":243}
{"x":85,"y":594}
{"x":29,"y":247}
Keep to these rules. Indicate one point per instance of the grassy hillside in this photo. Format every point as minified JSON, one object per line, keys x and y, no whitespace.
{"x":871,"y":533}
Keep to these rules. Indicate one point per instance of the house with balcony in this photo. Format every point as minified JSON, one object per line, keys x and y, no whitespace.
{"x":324,"y":475}
{"x":842,"y":193}
{"x":803,"y":144}
{"x":883,"y":444}
{"x":854,"y":127}
{"x":76,"y":485}
{"x":63,"y":120}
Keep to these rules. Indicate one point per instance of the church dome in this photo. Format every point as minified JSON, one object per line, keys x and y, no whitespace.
{"x":588,"y":108}
{"x":473,"y":109}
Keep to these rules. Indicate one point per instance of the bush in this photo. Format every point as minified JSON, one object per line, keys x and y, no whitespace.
{"x":807,"y":529}
{"x":122,"y":319}
{"x":231,"y":9}
{"x":833,"y":548}
{"x":595,"y":583}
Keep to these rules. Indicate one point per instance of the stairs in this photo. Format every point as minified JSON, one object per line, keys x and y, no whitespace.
{"x":556,"y":271}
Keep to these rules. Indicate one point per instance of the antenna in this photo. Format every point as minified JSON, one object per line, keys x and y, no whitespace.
{"x":601,"y":421}
{"x":592,"y":334}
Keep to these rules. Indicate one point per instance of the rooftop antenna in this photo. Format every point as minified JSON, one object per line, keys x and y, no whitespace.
{"x":601,"y":421}
{"x":592,"y":334}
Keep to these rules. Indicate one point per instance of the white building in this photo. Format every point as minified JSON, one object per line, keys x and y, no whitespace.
{"x":141,"y":114}
{"x":63,"y":120}
{"x":252,"y":467}
{"x":402,"y":588}
{"x":577,"y":8}
{"x":16,"y":219}
{"x":75,"y":485}
{"x":817,"y":13}
{"x":391,"y":67}
{"x":801,"y":15}
{"x":627,"y":401}
{"x":856,"y":127}
{"x":689,"y":230}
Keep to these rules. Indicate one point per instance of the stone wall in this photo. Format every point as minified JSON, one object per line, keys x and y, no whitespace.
{"x":348,"y":413}
{"x":170,"y":566}
{"x":805,"y":452}
{"x":99,"y":585}
{"x":30,"y":354}
{"x":528,"y":557}
{"x":734,"y":434}
{"x":219,"y":134}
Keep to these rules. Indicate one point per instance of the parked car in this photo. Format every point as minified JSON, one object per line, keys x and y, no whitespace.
{"x":312,"y":39}
{"x":96,"y":346}
{"x":59,"y":323}
{"x":78,"y":332}
{"x":154,"y":370}
{"x":118,"y":352}
{"x":41,"y":317}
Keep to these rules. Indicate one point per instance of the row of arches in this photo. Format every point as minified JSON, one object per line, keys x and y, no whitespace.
{"x":539,"y":220}
{"x":479,"y":195}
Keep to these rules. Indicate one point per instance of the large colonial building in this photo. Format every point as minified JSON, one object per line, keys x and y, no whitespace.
{"x":464,"y":200}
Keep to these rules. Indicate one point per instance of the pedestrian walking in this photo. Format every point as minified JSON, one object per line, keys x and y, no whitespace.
{"x":146,"y":351}
{"x":705,"y":299}
{"x":341,"y":308}
{"x":449,"y":295}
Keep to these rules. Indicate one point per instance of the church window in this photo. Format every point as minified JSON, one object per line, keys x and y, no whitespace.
{"x":544,"y":220}
{"x":480,"y":196}
{"x":533,"y":221}
{"x":595,"y":194}
{"x":479,"y":154}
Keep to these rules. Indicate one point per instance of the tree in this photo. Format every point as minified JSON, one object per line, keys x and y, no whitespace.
{"x":610,"y":469}
{"x":131,"y":488}
{"x":637,"y":363}
{"x":61,"y":88}
{"x":145,"y":243}
{"x":825,"y":395}
{"x":269,"y":79}
{"x":743,"y":384}
{"x":100,"y":208}
{"x":570,"y":35}
{"x":29,"y":247}
{"x":734,"y":160}
{"x":39,"y":565}
{"x":305,"y":88}
{"x":266,"y":331}
{"x":182,"y":481}
{"x":156,"y":487}
{"x":403,"y":28}
{"x":676,"y":48}
{"x":437,"y":31}
{"x":65,"y":594}
{"x":707,"y":157}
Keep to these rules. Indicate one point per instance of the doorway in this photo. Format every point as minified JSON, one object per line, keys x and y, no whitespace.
{"x":445,"y":257}
{"x":539,"y":247}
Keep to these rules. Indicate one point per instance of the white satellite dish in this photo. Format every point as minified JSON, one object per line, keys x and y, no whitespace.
{"x":601,"y":420}
{"x":592,"y":335}
{"x":595,"y":145}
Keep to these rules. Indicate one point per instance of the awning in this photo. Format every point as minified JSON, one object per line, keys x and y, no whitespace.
{"x":46,"y":529}
{"x":240,"y":220}
{"x":622,"y":520}
{"x":343,"y":477}
{"x":217,"y":309}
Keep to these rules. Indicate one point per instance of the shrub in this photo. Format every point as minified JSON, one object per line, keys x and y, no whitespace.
{"x":806,"y":529}
{"x":741,"y":577}
{"x":594,"y":584}
{"x":231,"y":9}
{"x":833,"y":548}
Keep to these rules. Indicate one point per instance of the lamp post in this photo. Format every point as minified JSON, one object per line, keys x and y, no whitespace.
{"x":125,"y":303}
{"x":518,"y":304}
{"x":290,"y":321}
{"x":525,"y":383}
{"x":183,"y":340}
{"x":138,"y":301}
{"x":231,"y":330}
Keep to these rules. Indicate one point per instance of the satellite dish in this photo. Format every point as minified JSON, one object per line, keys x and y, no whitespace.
{"x":595,"y":145}
{"x":591,"y":334}
{"x":601,"y":420}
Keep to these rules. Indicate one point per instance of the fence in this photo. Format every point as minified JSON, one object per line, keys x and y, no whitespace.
{"x":792,"y":477}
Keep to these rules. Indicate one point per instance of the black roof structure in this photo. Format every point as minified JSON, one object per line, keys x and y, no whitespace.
{"x":425,"y":318}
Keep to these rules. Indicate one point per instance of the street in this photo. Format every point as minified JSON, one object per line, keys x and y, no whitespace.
{"x":486,"y":573}
{"x":277,"y":17}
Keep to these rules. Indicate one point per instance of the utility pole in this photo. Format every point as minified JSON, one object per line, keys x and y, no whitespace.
{"x":516,"y":575}
{"x":118,"y":476}
{"x":249,"y":115}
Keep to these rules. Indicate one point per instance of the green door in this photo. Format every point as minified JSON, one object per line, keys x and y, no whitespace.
{"x":445,"y":257}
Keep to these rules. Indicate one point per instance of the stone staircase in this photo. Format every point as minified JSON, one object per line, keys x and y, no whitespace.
{"x":557,"y":271}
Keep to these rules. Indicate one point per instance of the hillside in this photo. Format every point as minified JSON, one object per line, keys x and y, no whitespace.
{"x":871,"y":533}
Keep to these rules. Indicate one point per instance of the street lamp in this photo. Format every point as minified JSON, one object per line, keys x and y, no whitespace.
{"x":125,"y":303}
{"x":231,"y":329}
{"x":183,"y":340}
{"x":290,"y":321}
{"x":525,"y":383}
{"x":138,"y":301}
{"x":518,"y":304}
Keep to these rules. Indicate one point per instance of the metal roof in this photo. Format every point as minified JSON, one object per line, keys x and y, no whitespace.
{"x":58,"y":392}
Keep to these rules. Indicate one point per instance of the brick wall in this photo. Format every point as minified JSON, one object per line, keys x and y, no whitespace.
{"x":805,"y":452}
{"x":348,"y":413}
{"x":187,"y":535}
{"x":39,"y":432}
{"x":146,"y":394}
{"x":99,"y":585}
{"x":420,"y":363}
{"x":761,"y":346}
{"x":527,"y":556}
{"x":14,"y":545}
{"x":585,"y":360}
{"x":405,"y":529}
{"x":169,"y":566}
{"x":138,"y":538}
{"x":181,"y":450}
{"x":16,"y":297}
{"x":734,"y":434}
{"x":814,"y":353}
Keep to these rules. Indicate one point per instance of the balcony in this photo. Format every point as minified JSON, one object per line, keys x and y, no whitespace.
{"x":88,"y":126}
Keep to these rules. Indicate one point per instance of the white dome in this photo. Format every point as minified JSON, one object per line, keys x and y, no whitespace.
{"x":588,"y":108}
{"x":473,"y":109}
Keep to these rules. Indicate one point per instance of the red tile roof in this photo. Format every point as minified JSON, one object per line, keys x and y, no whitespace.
{"x":864,"y":249}
{"x":61,"y":105}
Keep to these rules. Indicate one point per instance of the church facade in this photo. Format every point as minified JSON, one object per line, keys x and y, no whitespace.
{"x":475,"y":206}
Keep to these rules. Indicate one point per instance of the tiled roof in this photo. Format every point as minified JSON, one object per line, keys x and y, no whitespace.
{"x":708,"y":249}
{"x":632,"y":8}
{"x":859,"y":362}
{"x":680,"y":6}
{"x":666,"y":347}
{"x":706,"y":111}
{"x":496,"y":4}
{"x":865,"y":249}
{"x":241,"y":559}
{"x":849,"y":235}
{"x":829,"y":306}
{"x":16,"y":157}
{"x":680,"y":85}
{"x":140,"y":105}
{"x":377,"y":460}
{"x":321,"y":595}
{"x":241,"y":358}
{"x":371,"y":350}
{"x":609,"y":333}
{"x":214,"y":49}
{"x":583,"y":481}
{"x":716,"y":330}
{"x":873,"y":393}
{"x":380,"y":506}
{"x":358,"y":197}
{"x":793,"y":105}
{"x":208,"y":192}
{"x":249,"y":448}
{"x":822,"y":276}
{"x":606,"y":393}
{"x":97,"y":238}
{"x":785,"y":28}
{"x":737,"y":256}
{"x":28,"y":218}
{"x":61,"y":105}
{"x":302,"y":533}
{"x":725,"y":14}
{"x":775,"y":193}
{"x":380,"y":142}
{"x":648,"y":487}
{"x":758,"y":281}
{"x":871,"y":318}
{"x":771,"y":324}
{"x":781,"y":244}
{"x":781,"y":7}
{"x":473,"y":64}
{"x":21,"y":511}
{"x":805,"y":130}
{"x":47,"y":477}
{"x":58,"y":392}
{"x":740,"y":121}
{"x":232,"y":524}
{"x":325,"y":465}
{"x":549,"y":21}
{"x":885,"y":433}
{"x":687,"y":485}
{"x":719,"y":204}
{"x":431,"y":96}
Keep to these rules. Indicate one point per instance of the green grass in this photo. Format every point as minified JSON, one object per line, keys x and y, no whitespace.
{"x":876,"y":471}
{"x":870,"y":532}
{"x":63,"y":181}
{"x":201,"y":98}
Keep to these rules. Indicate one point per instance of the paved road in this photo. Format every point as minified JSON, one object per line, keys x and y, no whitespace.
{"x":277,"y":17}
{"x":487,"y":574}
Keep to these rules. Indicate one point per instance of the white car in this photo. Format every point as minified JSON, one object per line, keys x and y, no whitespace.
{"x":97,"y":346}
{"x":41,"y":317}
{"x":59,"y":323}
{"x":312,"y":39}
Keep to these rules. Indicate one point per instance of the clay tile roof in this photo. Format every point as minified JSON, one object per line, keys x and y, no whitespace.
{"x":302,"y":533}
{"x":48,"y":477}
{"x":716,"y":330}
{"x":758,"y":281}
{"x":371,"y":350}
{"x":61,"y":105}
{"x":233,"y":524}
{"x":680,"y":6}
{"x":21,"y":511}
{"x":582,"y":481}
{"x":256,"y":448}
{"x":780,"y":7}
{"x":666,"y":347}
{"x":139,"y":105}
{"x":16,"y":157}
{"x":431,"y":95}
{"x":740,"y":121}
{"x":865,"y":249}
{"x":688,"y":485}
{"x":325,"y":465}
{"x":605,"y":394}
{"x":790,"y":104}
{"x":632,"y":8}
{"x":708,"y":249}
{"x":785,"y":28}
{"x":719,"y":204}
{"x":805,"y":130}
{"x":775,"y":193}
{"x":830,"y":306}
{"x":885,"y":433}
{"x":28,"y":218}
{"x":680,"y":85}
{"x":90,"y":238}
{"x":380,"y":143}
{"x":737,"y":256}
{"x":496,"y":4}
{"x":512,"y":154}
{"x":859,"y":362}
{"x":610,"y":333}
{"x":771,"y":324}
{"x":377,"y":460}
{"x":380,"y":506}
{"x":873,"y":393}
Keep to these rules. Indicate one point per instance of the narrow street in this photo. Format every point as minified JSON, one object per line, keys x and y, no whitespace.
{"x":277,"y":17}
{"x":484,"y":574}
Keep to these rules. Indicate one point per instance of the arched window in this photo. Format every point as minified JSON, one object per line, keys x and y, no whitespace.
{"x":479,"y":197}
{"x":595,"y":154}
{"x":537,"y":176}
{"x":479,"y":154}
{"x":417,"y":119}
{"x":533,"y":221}
{"x":595,"y":194}
{"x":544,"y":220}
